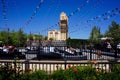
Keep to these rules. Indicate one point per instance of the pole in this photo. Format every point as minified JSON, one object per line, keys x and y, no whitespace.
{"x":90,"y":52}
{"x":39,"y":44}
{"x":8,"y":37}
{"x":30,"y":40}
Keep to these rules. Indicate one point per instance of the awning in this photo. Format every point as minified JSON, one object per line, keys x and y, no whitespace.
{"x":105,"y":38}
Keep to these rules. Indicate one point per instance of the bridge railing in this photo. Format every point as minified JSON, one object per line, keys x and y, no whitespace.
{"x":50,"y":66}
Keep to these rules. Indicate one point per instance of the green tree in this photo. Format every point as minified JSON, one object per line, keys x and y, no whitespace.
{"x":95,"y":34}
{"x":45,"y":38}
{"x":4,"y":37}
{"x":18,"y":38}
{"x":22,"y":37}
{"x":68,"y":41}
{"x":114,"y":32}
{"x":14,"y":36}
{"x":30,"y":36}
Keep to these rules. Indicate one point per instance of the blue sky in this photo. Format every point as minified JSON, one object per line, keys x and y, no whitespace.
{"x":19,"y":13}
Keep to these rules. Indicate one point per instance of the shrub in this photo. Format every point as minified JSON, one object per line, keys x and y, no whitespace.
{"x":75,"y":73}
{"x":8,"y":73}
{"x":36,"y":75}
{"x":71,"y":73}
{"x":59,"y":75}
{"x":39,"y":75}
{"x":116,"y":68}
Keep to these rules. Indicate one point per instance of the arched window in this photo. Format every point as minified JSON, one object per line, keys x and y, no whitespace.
{"x":51,"y":32}
{"x":56,"y":32}
{"x":62,"y":17}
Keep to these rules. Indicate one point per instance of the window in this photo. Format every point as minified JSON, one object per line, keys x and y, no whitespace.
{"x":56,"y":32}
{"x":62,"y":17}
{"x":51,"y":32}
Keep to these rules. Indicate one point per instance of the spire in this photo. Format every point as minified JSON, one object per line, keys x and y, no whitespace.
{"x":63,"y":16}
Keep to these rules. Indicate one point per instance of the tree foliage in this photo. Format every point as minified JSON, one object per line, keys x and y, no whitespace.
{"x":95,"y":34}
{"x":18,"y":38}
{"x":114,"y":32}
{"x":4,"y":37}
{"x":76,"y":42}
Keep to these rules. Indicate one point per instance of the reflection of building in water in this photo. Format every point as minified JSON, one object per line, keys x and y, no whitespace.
{"x":62,"y":33}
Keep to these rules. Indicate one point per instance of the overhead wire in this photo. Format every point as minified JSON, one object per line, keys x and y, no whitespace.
{"x":16,"y":8}
{"x":70,"y":15}
{"x":56,"y":8}
{"x":84,"y":13}
{"x":52,"y":2}
{"x":87,"y":12}
{"x":33,"y":14}
{"x":4,"y":9}
{"x":95,"y":6}
{"x":117,"y":11}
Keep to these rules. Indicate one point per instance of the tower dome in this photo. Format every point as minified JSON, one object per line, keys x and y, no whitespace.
{"x":63,"y":16}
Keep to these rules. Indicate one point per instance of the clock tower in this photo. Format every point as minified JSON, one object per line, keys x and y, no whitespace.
{"x":63,"y":26}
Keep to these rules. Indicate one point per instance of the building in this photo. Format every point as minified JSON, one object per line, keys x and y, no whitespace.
{"x":54,"y":34}
{"x":63,"y":26}
{"x":62,"y":33}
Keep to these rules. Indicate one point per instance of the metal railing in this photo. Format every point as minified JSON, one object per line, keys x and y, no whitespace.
{"x":50,"y":66}
{"x":60,"y":53}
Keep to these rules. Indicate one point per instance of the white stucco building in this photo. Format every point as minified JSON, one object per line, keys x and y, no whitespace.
{"x":62,"y":33}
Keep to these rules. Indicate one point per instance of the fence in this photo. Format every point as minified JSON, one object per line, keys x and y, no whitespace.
{"x":51,"y":59}
{"x":50,"y":66}
{"x":73,"y":54}
{"x":62,"y":53}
